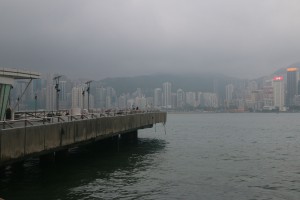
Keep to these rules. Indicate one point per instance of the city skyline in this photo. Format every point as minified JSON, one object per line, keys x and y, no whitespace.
{"x":245,"y":95}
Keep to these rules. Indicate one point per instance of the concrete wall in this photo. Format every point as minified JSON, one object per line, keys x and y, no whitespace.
{"x":20,"y":143}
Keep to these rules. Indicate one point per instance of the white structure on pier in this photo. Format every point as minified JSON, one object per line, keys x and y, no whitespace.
{"x":7,"y":77}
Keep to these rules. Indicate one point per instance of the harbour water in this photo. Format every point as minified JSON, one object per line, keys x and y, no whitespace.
{"x":202,"y":156}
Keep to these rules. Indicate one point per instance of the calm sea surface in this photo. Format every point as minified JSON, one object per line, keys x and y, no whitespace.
{"x":201,"y":156}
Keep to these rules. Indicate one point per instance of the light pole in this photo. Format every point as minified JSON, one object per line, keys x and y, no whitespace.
{"x":83,"y":93}
{"x":35,"y":104}
{"x":56,"y":79}
{"x":18,"y":104}
{"x":88,"y":83}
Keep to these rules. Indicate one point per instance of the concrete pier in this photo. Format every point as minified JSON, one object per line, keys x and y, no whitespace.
{"x":17,"y":144}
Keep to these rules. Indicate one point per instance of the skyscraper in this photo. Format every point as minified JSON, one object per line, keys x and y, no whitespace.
{"x":77,"y":97}
{"x":190,"y":98}
{"x":122,"y":101}
{"x":110,"y":97}
{"x":180,"y":98}
{"x":268,"y":94}
{"x":210,"y":100}
{"x":198,"y":99}
{"x":167,"y":95}
{"x":173,"y":100}
{"x":229,"y":94}
{"x":100,"y":97}
{"x":292,"y":85}
{"x":63,"y":94}
{"x":157,"y":97}
{"x":50,"y":94}
{"x":278,"y":85}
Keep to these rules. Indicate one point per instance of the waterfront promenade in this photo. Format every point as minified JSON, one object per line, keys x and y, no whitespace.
{"x":48,"y":137}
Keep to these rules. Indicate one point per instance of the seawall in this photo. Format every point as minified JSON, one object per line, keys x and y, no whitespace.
{"x":17,"y":144}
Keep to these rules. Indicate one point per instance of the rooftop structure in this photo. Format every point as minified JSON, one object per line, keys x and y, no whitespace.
{"x":7,"y":77}
{"x":17,"y":74}
{"x":292,"y":85}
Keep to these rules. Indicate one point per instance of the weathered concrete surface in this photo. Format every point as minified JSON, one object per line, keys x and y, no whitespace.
{"x":20,"y":143}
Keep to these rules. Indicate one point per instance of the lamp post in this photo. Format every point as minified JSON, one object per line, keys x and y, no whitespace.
{"x":18,"y":104}
{"x":56,"y":79}
{"x":83,"y":94}
{"x":35,"y":104}
{"x":88,"y":83}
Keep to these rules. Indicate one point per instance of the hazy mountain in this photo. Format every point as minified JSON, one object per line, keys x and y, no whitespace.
{"x":200,"y":82}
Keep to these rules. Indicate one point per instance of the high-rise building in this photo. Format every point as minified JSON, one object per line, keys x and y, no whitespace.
{"x":190,"y":98}
{"x":140,"y":102}
{"x":292,"y":85}
{"x":257,"y":100}
{"x":252,"y":85}
{"x":108,"y":102}
{"x":268,"y":93}
{"x":198,"y":99}
{"x":77,"y":97}
{"x":130,"y":103}
{"x":217,"y":89}
{"x":50,"y":98}
{"x":111,"y":99}
{"x":149,"y":102}
{"x":91,"y":103}
{"x":173,"y":100}
{"x":229,"y":94}
{"x":167,"y":94}
{"x":62,"y":95}
{"x":122,"y":101}
{"x":210,"y":100}
{"x":62,"y":92}
{"x":50,"y":94}
{"x":100,"y":97}
{"x":278,"y":92}
{"x":157,"y":97}
{"x":180,"y":98}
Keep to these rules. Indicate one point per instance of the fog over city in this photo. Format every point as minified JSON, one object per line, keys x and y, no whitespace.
{"x":108,"y":38}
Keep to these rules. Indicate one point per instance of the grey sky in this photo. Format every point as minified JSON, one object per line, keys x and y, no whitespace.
{"x":102,"y":38}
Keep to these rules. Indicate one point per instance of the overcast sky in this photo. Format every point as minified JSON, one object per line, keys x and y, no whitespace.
{"x":107,"y":38}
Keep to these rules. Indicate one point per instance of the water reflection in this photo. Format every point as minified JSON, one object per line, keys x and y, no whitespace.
{"x":87,"y":172}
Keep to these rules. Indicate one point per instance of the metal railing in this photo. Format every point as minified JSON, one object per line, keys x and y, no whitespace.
{"x":31,"y":118}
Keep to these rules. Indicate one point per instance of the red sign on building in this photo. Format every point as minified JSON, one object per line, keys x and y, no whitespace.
{"x":278,"y":78}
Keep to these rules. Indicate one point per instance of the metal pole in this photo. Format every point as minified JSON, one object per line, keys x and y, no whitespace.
{"x":18,"y":104}
{"x":83,"y":92}
{"x":57,"y":91}
{"x":35,"y":105}
{"x":88,"y":83}
{"x":88,"y":90}
{"x":57,"y":100}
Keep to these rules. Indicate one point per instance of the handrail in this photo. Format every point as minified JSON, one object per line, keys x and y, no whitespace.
{"x":31,"y":120}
